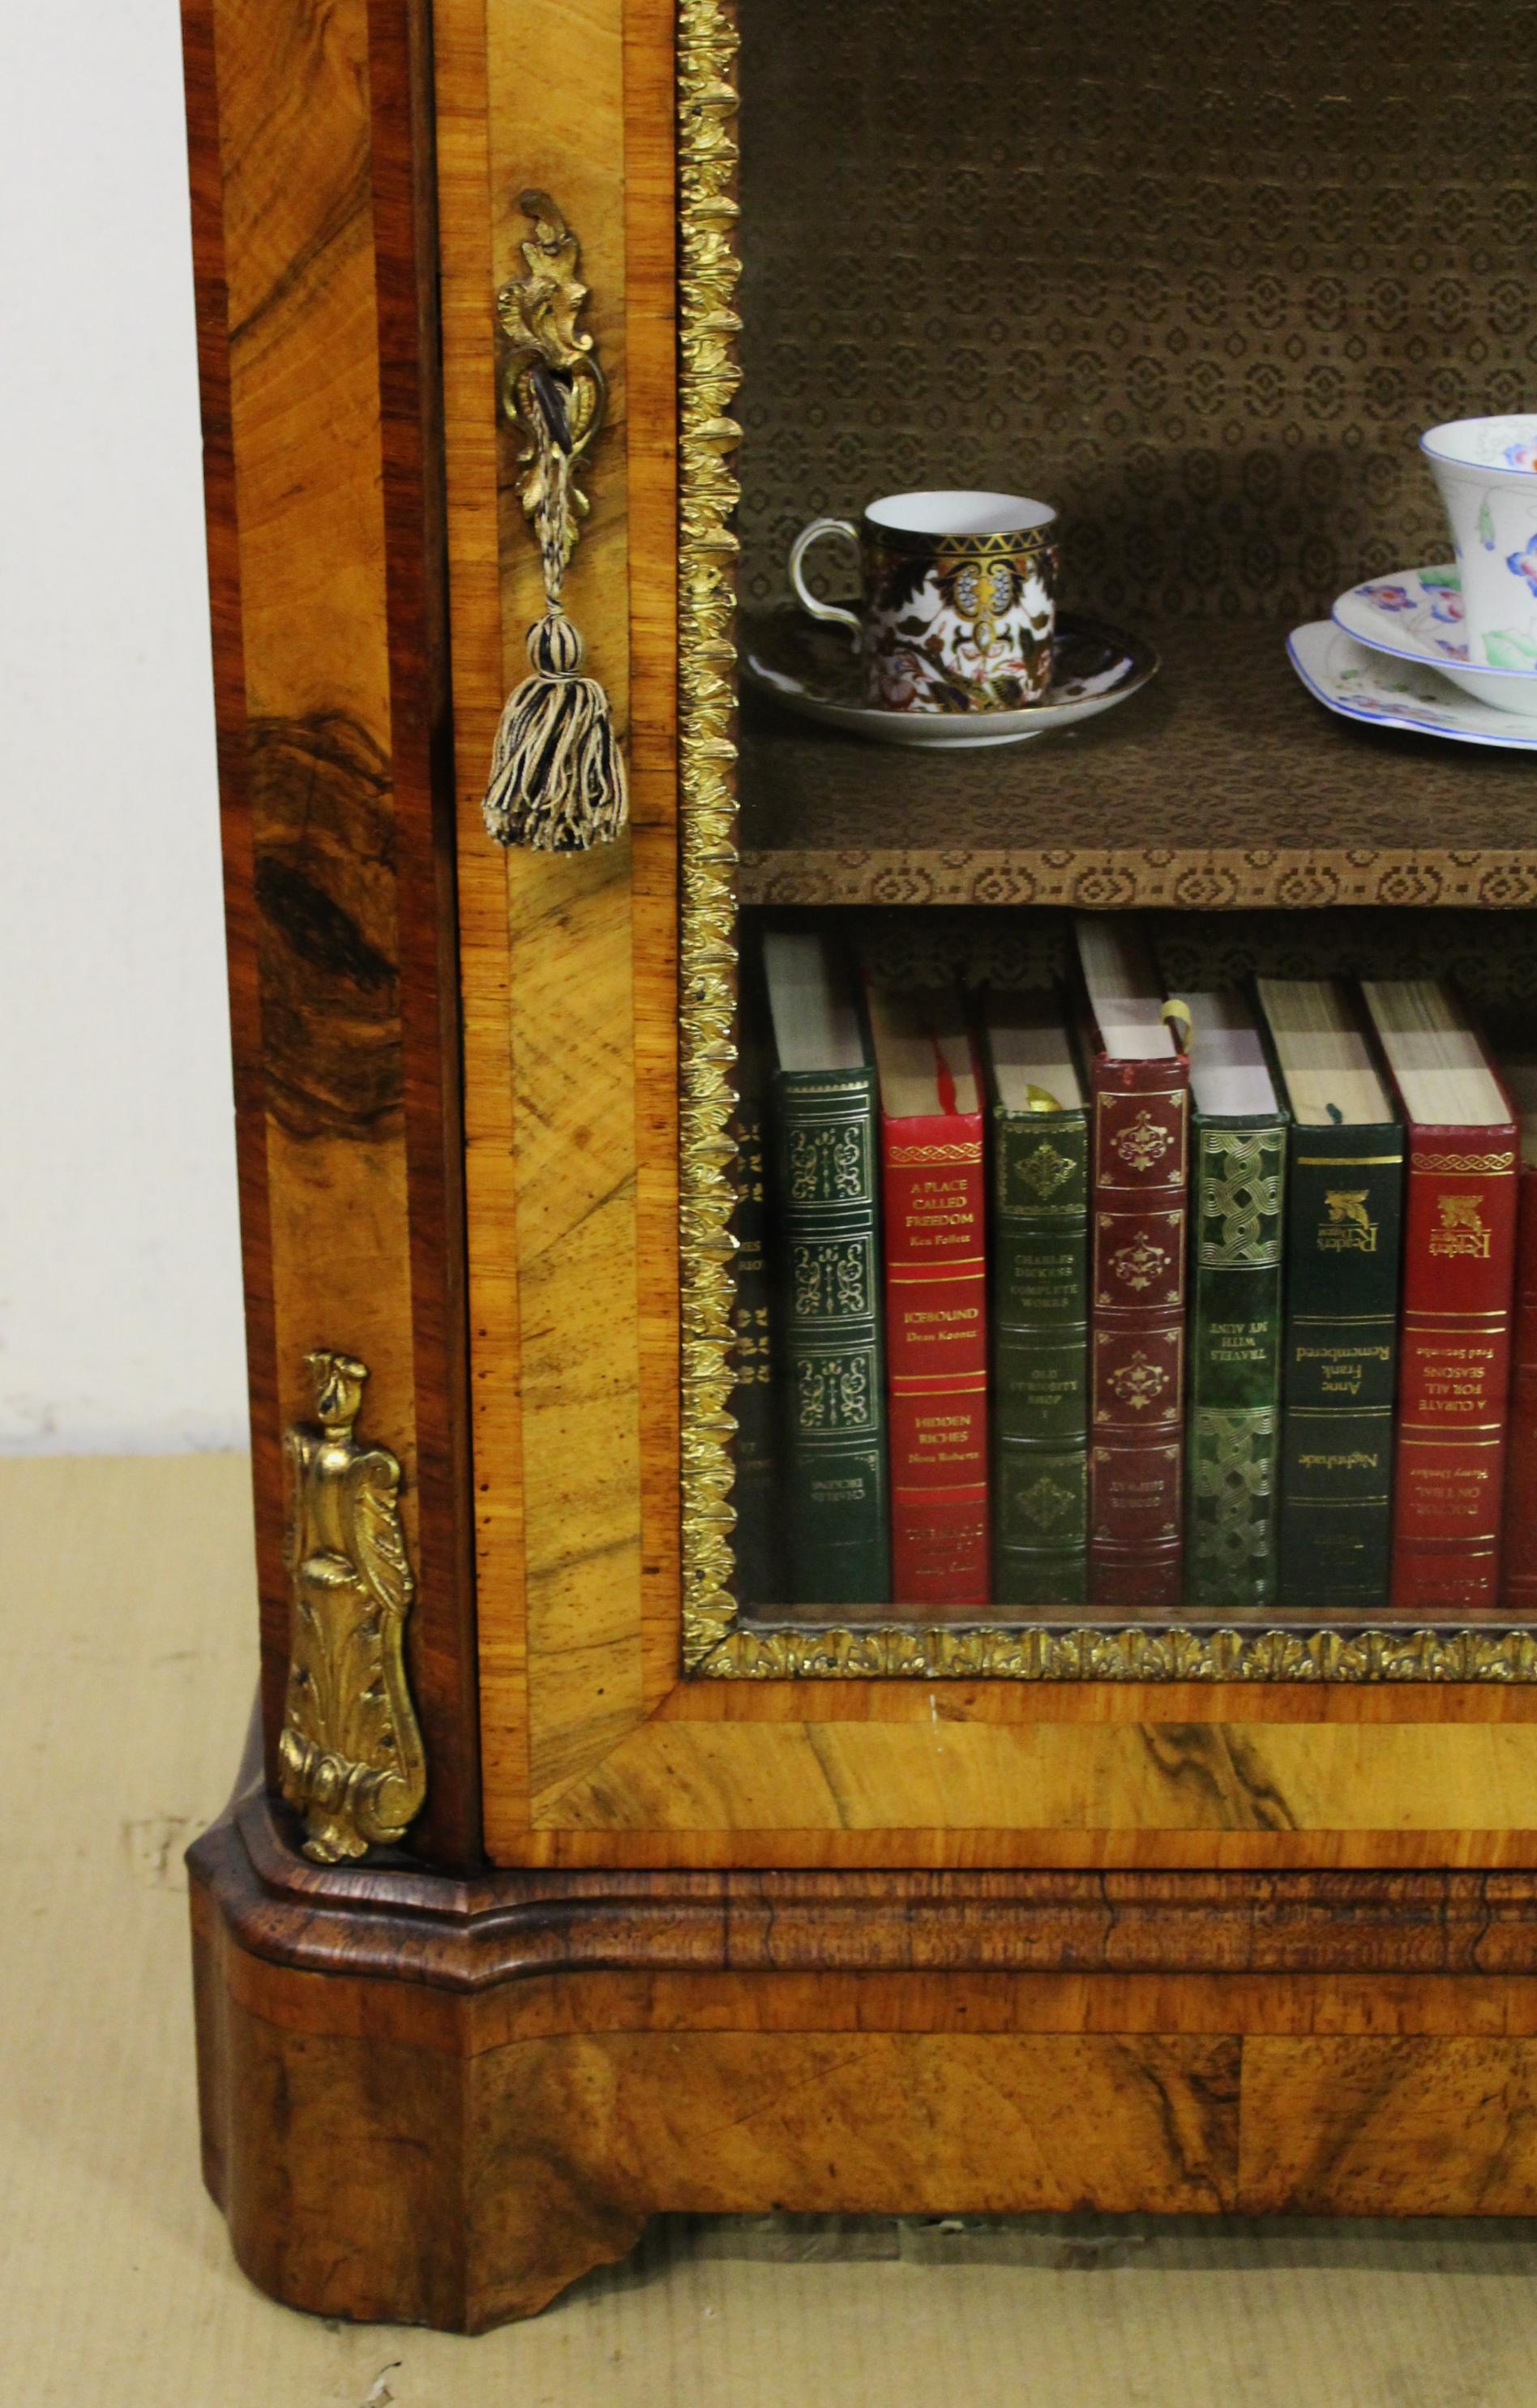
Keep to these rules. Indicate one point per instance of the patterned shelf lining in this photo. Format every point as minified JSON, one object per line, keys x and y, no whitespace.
{"x":1158,"y":804}
{"x":1493,"y":960}
{"x":1197,"y":275}
{"x":1123,"y":880}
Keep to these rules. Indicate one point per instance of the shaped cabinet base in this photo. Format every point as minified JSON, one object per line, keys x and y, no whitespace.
{"x":432,"y":2102}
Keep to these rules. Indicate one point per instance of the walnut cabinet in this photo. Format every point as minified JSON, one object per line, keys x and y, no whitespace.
{"x":622,"y":1897}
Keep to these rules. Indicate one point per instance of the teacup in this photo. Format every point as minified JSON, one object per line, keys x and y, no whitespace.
{"x":958,"y":598}
{"x":1486,"y":470}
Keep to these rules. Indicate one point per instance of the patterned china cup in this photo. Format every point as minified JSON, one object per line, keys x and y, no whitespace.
{"x":957,"y":603}
{"x":1486,"y":470}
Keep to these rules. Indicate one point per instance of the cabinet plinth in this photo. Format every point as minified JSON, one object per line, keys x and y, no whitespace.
{"x":440,"y":2103}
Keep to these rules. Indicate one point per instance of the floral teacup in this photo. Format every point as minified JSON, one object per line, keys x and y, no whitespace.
{"x":1486,"y":470}
{"x":958,"y":598}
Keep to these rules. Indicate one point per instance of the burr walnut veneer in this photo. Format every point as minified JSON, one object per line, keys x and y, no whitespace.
{"x":696,"y":1912}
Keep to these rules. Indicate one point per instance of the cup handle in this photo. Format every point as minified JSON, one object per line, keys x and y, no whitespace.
{"x":807,"y":600}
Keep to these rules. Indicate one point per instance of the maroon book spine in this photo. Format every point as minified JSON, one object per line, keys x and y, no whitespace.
{"x":1141,"y":1171}
{"x":937,"y":1360}
{"x":1520,"y":1541}
{"x":1454,"y":1369}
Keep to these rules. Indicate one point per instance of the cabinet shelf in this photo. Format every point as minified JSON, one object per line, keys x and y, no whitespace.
{"x":1223,"y":786}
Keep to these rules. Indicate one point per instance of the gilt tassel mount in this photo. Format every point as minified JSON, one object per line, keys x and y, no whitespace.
{"x":557,"y":779}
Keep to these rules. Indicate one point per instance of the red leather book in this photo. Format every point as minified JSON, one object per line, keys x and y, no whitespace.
{"x":1459,"y":1277}
{"x":936,"y":1289}
{"x":1139,"y":1167}
{"x":1519,"y":1582}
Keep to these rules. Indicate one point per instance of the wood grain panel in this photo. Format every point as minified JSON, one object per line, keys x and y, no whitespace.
{"x":294,"y":134}
{"x":574,"y":1100}
{"x":554,"y":88}
{"x":554,"y":952}
{"x":237,"y":836}
{"x":1351,"y":2126}
{"x":888,"y":2123}
{"x":324,"y":490}
{"x":1296,"y":2006}
{"x":403,"y":181}
{"x":472,"y":444}
{"x":1150,"y":1777}
{"x":1028,"y":1846}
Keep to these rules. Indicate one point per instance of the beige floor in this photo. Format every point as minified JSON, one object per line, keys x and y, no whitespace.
{"x":124,"y":1609}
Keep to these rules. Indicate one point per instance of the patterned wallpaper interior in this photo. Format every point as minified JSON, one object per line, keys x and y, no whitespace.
{"x":1200,"y":275}
{"x":1492,"y":957}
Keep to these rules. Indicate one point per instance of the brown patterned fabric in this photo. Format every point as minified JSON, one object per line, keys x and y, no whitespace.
{"x":1199,"y":276}
{"x":1223,"y":784}
{"x":1493,"y":960}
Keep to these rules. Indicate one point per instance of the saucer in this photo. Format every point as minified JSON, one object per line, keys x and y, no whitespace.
{"x":1416,"y":615}
{"x":814,"y":670}
{"x":1365,"y":685}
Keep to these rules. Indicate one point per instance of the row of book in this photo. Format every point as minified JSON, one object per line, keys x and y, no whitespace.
{"x":1104,"y":1296}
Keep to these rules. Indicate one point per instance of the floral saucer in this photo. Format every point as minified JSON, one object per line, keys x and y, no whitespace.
{"x":1361,"y":684}
{"x":813,"y":669}
{"x":1416,"y":615}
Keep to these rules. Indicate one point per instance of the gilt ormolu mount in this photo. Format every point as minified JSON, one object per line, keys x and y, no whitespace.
{"x":351,"y":1753}
{"x":550,"y":364}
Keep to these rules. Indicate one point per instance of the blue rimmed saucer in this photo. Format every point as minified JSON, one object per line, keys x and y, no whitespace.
{"x":1381,"y":692}
{"x":1416,"y":615}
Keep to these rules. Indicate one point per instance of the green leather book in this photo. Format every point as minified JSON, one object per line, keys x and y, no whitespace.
{"x":1038,"y":1121}
{"x":1238,"y":1177}
{"x":825,"y":1200}
{"x":754,"y":1402}
{"x":1344,"y":1207}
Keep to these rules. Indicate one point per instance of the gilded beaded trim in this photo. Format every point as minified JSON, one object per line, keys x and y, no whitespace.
{"x":707,"y":325}
{"x":1142,"y":1653}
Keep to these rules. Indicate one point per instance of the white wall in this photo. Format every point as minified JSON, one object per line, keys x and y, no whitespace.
{"x":120,"y":1312}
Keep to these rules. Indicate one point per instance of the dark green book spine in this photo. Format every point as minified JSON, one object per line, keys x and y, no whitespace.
{"x":1040,"y":1357}
{"x":836,"y":1507}
{"x":760,"y":1577}
{"x":1343,"y":1233}
{"x":1233,"y":1435}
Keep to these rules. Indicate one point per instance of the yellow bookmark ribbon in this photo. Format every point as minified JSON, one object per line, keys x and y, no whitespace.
{"x":1176,"y":1016}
